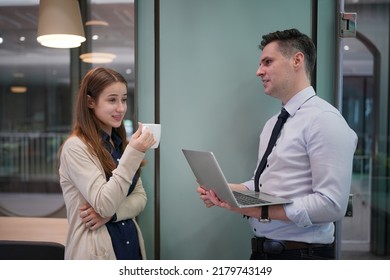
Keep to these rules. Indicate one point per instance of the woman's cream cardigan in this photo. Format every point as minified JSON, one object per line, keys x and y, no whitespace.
{"x":83,"y":180}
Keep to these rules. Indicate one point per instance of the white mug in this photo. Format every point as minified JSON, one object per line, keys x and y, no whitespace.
{"x":156,"y":130}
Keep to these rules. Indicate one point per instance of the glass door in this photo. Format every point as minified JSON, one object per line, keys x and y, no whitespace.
{"x":365,"y":107}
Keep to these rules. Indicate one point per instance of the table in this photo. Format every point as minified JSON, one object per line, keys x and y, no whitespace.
{"x":34,"y":229}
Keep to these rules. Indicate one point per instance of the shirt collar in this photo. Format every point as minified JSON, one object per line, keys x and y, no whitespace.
{"x":114,"y":136}
{"x":298,"y":99}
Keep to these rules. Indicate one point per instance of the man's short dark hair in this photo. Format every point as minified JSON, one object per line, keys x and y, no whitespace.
{"x":291,"y":41}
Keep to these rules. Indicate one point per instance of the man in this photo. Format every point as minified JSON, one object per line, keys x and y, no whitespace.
{"x":310,"y":164}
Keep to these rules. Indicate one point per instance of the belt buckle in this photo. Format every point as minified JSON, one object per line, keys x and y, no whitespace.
{"x":273,"y":247}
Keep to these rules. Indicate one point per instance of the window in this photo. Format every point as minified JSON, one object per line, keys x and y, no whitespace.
{"x":37,"y":93}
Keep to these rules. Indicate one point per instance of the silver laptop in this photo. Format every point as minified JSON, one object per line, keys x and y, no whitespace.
{"x":208,"y":173}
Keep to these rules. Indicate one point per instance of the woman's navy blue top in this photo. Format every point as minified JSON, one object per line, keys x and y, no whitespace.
{"x":123,"y":234}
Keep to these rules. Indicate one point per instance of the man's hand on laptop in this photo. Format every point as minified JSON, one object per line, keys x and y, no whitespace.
{"x":210,"y":199}
{"x":204,"y":195}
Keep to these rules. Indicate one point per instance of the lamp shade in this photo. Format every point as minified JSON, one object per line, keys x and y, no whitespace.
{"x":60,"y":24}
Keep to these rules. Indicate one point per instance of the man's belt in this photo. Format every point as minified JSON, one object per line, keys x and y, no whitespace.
{"x":271,"y":246}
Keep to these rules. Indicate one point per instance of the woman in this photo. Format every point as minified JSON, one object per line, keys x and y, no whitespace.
{"x":100,"y":173}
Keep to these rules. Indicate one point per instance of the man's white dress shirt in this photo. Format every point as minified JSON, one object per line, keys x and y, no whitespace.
{"x":310,"y":164}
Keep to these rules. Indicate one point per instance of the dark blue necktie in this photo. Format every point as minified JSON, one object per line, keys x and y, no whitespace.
{"x":275,"y":133}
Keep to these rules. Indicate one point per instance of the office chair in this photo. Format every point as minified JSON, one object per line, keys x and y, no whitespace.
{"x":31,"y":250}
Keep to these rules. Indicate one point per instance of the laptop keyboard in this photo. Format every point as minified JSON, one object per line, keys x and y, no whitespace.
{"x":246,"y":199}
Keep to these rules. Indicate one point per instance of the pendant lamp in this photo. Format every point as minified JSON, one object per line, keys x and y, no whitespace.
{"x":60,"y":24}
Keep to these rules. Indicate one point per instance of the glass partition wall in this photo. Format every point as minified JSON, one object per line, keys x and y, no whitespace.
{"x":38,"y":86}
{"x":366,"y":104}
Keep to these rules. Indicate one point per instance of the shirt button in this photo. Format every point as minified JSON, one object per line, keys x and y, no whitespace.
{"x":261,"y":185}
{"x":127,"y":242}
{"x":123,"y":224}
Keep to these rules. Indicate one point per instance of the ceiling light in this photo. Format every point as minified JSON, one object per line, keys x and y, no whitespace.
{"x":96,"y":57}
{"x":60,"y":24}
{"x":18,"y":84}
{"x":18,"y":89}
{"x":96,"y":22}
